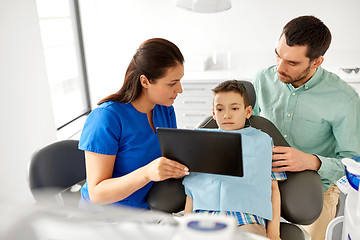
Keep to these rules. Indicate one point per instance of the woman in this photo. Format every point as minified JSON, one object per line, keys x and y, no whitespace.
{"x":122,"y":151}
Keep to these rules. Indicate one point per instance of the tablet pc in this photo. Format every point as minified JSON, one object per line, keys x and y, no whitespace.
{"x":203,"y":151}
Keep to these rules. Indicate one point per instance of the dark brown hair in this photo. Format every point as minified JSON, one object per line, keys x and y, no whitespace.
{"x":152,"y":59}
{"x":308,"y":31}
{"x":235,"y":86}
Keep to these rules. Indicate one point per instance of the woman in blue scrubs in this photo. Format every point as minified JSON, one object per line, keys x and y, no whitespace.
{"x":122,"y":151}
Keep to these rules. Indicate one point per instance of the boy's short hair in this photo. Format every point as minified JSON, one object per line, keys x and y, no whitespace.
{"x":233,"y":86}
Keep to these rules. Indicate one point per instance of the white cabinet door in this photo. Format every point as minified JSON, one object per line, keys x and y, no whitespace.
{"x":195,"y":103}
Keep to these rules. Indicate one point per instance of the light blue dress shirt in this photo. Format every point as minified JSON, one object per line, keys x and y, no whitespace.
{"x":321,"y":117}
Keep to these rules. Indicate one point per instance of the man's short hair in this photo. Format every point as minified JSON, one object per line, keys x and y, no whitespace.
{"x":233,"y":86}
{"x":308,"y":31}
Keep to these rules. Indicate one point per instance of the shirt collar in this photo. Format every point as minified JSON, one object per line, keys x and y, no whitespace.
{"x":313,"y":81}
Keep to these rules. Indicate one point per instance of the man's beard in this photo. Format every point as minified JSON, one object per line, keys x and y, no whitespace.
{"x":298,"y":78}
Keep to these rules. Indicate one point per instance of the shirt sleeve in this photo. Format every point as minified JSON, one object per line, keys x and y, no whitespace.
{"x":101,"y":132}
{"x":186,"y":183}
{"x":347,"y":134}
{"x":279,"y":176}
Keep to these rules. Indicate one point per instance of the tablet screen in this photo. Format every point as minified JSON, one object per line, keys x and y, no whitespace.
{"x":203,"y":151}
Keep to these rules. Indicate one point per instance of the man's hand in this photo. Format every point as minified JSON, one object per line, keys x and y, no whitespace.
{"x":293,"y":160}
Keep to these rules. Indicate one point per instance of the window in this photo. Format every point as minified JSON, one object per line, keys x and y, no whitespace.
{"x":64,"y":58}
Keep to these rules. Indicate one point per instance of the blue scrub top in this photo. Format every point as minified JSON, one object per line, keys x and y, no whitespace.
{"x":115,"y":128}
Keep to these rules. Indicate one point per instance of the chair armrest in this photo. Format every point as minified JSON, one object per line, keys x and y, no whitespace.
{"x":71,"y":195}
{"x":290,"y":231}
{"x":301,"y":197}
{"x":167,"y":196}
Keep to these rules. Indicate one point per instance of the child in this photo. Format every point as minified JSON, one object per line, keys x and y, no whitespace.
{"x":230,"y":110}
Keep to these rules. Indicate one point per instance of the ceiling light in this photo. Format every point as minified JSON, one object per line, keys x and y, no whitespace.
{"x":204,"y":6}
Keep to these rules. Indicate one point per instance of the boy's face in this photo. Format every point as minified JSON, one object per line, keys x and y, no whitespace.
{"x":229,"y":111}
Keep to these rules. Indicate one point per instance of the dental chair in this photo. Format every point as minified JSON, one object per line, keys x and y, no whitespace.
{"x":56,"y":173}
{"x":301,"y":193}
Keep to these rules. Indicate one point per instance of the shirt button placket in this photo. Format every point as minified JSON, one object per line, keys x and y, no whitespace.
{"x":288,"y":114}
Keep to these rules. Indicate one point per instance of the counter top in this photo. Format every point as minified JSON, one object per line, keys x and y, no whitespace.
{"x":217,"y":75}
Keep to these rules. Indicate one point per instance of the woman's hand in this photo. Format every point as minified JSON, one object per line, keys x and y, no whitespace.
{"x":163,"y":168}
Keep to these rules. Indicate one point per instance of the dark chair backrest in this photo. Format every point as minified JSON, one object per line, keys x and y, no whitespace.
{"x":56,"y":167}
{"x":301,"y":193}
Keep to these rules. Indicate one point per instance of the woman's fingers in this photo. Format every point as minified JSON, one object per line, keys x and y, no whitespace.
{"x":175,"y":165}
{"x":163,"y":168}
{"x":174,"y":169}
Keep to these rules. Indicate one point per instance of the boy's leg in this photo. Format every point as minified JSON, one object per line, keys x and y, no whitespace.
{"x":254,"y":228}
{"x":317,"y":230}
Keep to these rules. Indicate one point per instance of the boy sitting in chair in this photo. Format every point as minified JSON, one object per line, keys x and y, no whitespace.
{"x":254,"y":199}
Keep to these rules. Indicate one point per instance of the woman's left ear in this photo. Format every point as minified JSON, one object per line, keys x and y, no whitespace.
{"x":144,"y":81}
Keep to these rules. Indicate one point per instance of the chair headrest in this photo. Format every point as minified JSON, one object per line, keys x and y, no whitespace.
{"x":251,"y":92}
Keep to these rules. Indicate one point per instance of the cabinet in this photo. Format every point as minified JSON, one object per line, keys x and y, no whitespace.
{"x":195,"y":103}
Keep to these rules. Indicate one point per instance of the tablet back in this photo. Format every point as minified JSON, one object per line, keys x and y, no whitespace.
{"x":203,"y":151}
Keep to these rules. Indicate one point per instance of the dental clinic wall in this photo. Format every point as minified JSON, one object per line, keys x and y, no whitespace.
{"x":248,"y":31}
{"x":26,"y":120}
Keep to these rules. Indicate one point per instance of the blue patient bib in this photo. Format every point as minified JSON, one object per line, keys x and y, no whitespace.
{"x":249,"y":194}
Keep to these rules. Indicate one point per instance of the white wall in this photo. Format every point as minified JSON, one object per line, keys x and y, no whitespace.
{"x":26,"y":120}
{"x":250,"y":29}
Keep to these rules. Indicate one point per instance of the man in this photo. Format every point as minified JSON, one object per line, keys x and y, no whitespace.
{"x":317,"y":112}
